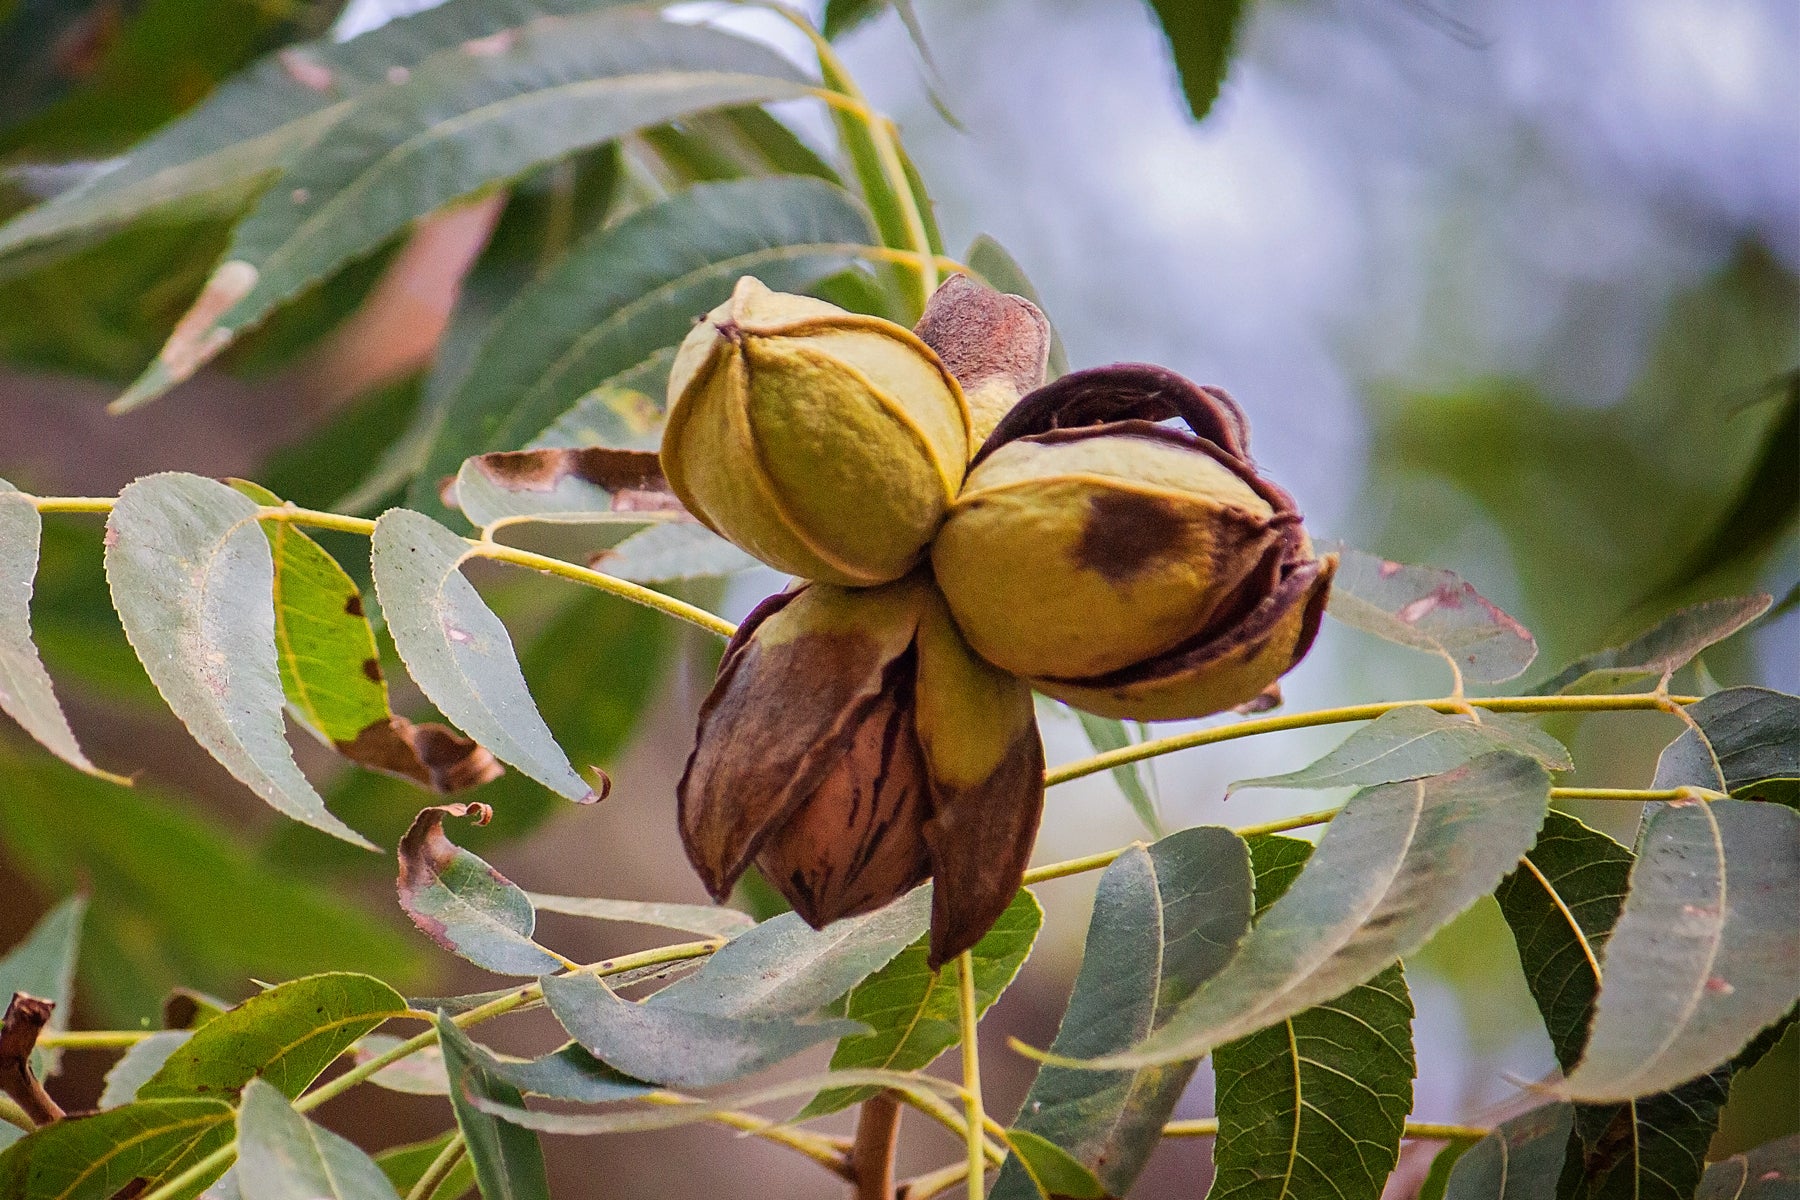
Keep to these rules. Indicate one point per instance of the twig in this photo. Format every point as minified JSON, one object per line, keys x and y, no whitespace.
{"x":25,"y":1017}
{"x":440,"y":1168}
{"x":872,"y":1154}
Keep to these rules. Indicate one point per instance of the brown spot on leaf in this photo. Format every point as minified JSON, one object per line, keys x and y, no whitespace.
{"x":372,"y":668}
{"x":353,"y":605}
{"x":430,"y":754}
{"x":634,"y":478}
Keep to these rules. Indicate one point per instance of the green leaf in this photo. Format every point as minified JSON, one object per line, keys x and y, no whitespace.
{"x":254,"y":124}
{"x":633,"y":288}
{"x":1562,"y":903}
{"x":1520,"y":1160}
{"x":25,"y":691}
{"x":91,"y":1158}
{"x":1201,"y":36}
{"x":569,"y":1073}
{"x":1053,"y":1171}
{"x":420,"y":1073}
{"x":990,"y":260}
{"x":1769,"y":1172}
{"x":671,"y":552}
{"x":1659,"y":651}
{"x":125,"y":70}
{"x":1439,"y":1176}
{"x":42,"y":964}
{"x":286,"y":1036}
{"x":464,"y":905}
{"x":192,"y":578}
{"x":594,"y":662}
{"x":283,"y":1156}
{"x":882,"y":198}
{"x":136,"y":1066}
{"x":1316,"y":1104}
{"x":1166,"y":919}
{"x":461,"y":122}
{"x":611,"y":415}
{"x":785,"y":968}
{"x":666,"y":1044}
{"x":1397,"y":863}
{"x":1106,"y":733}
{"x":406,"y":1165}
{"x":708,"y":920}
{"x":1413,"y":742}
{"x":1767,"y":504}
{"x":330,"y":667}
{"x":458,"y":651}
{"x":841,"y":16}
{"x":913,"y":1012}
{"x":104,"y":310}
{"x":176,"y":899}
{"x":509,"y":1163}
{"x":1431,"y":610}
{"x":1751,"y":746}
{"x":733,"y":143}
{"x":1695,"y":968}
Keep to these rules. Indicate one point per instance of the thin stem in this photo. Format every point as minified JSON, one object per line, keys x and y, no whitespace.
{"x":12,"y":1114}
{"x":1636,"y":795}
{"x":72,"y":504}
{"x":635,"y":592}
{"x":1635,"y":702}
{"x":932,"y":1183}
{"x":1303,"y":821}
{"x":440,"y":1168}
{"x":1094,"y":862}
{"x":971,"y":1073}
{"x":94,"y":1039}
{"x":1418,"y":1130}
{"x":313,"y":518}
{"x":827,"y":1152}
{"x":1428,"y":1131}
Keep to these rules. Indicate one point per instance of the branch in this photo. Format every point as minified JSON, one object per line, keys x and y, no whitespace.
{"x":1632,"y":702}
{"x":872,"y":1154}
{"x":25,"y":1017}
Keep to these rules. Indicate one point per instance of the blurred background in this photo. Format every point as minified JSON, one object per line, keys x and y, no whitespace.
{"x":1511,"y":288}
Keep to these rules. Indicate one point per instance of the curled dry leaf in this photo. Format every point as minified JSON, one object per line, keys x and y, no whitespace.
{"x":462,"y":903}
{"x":428,"y":753}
